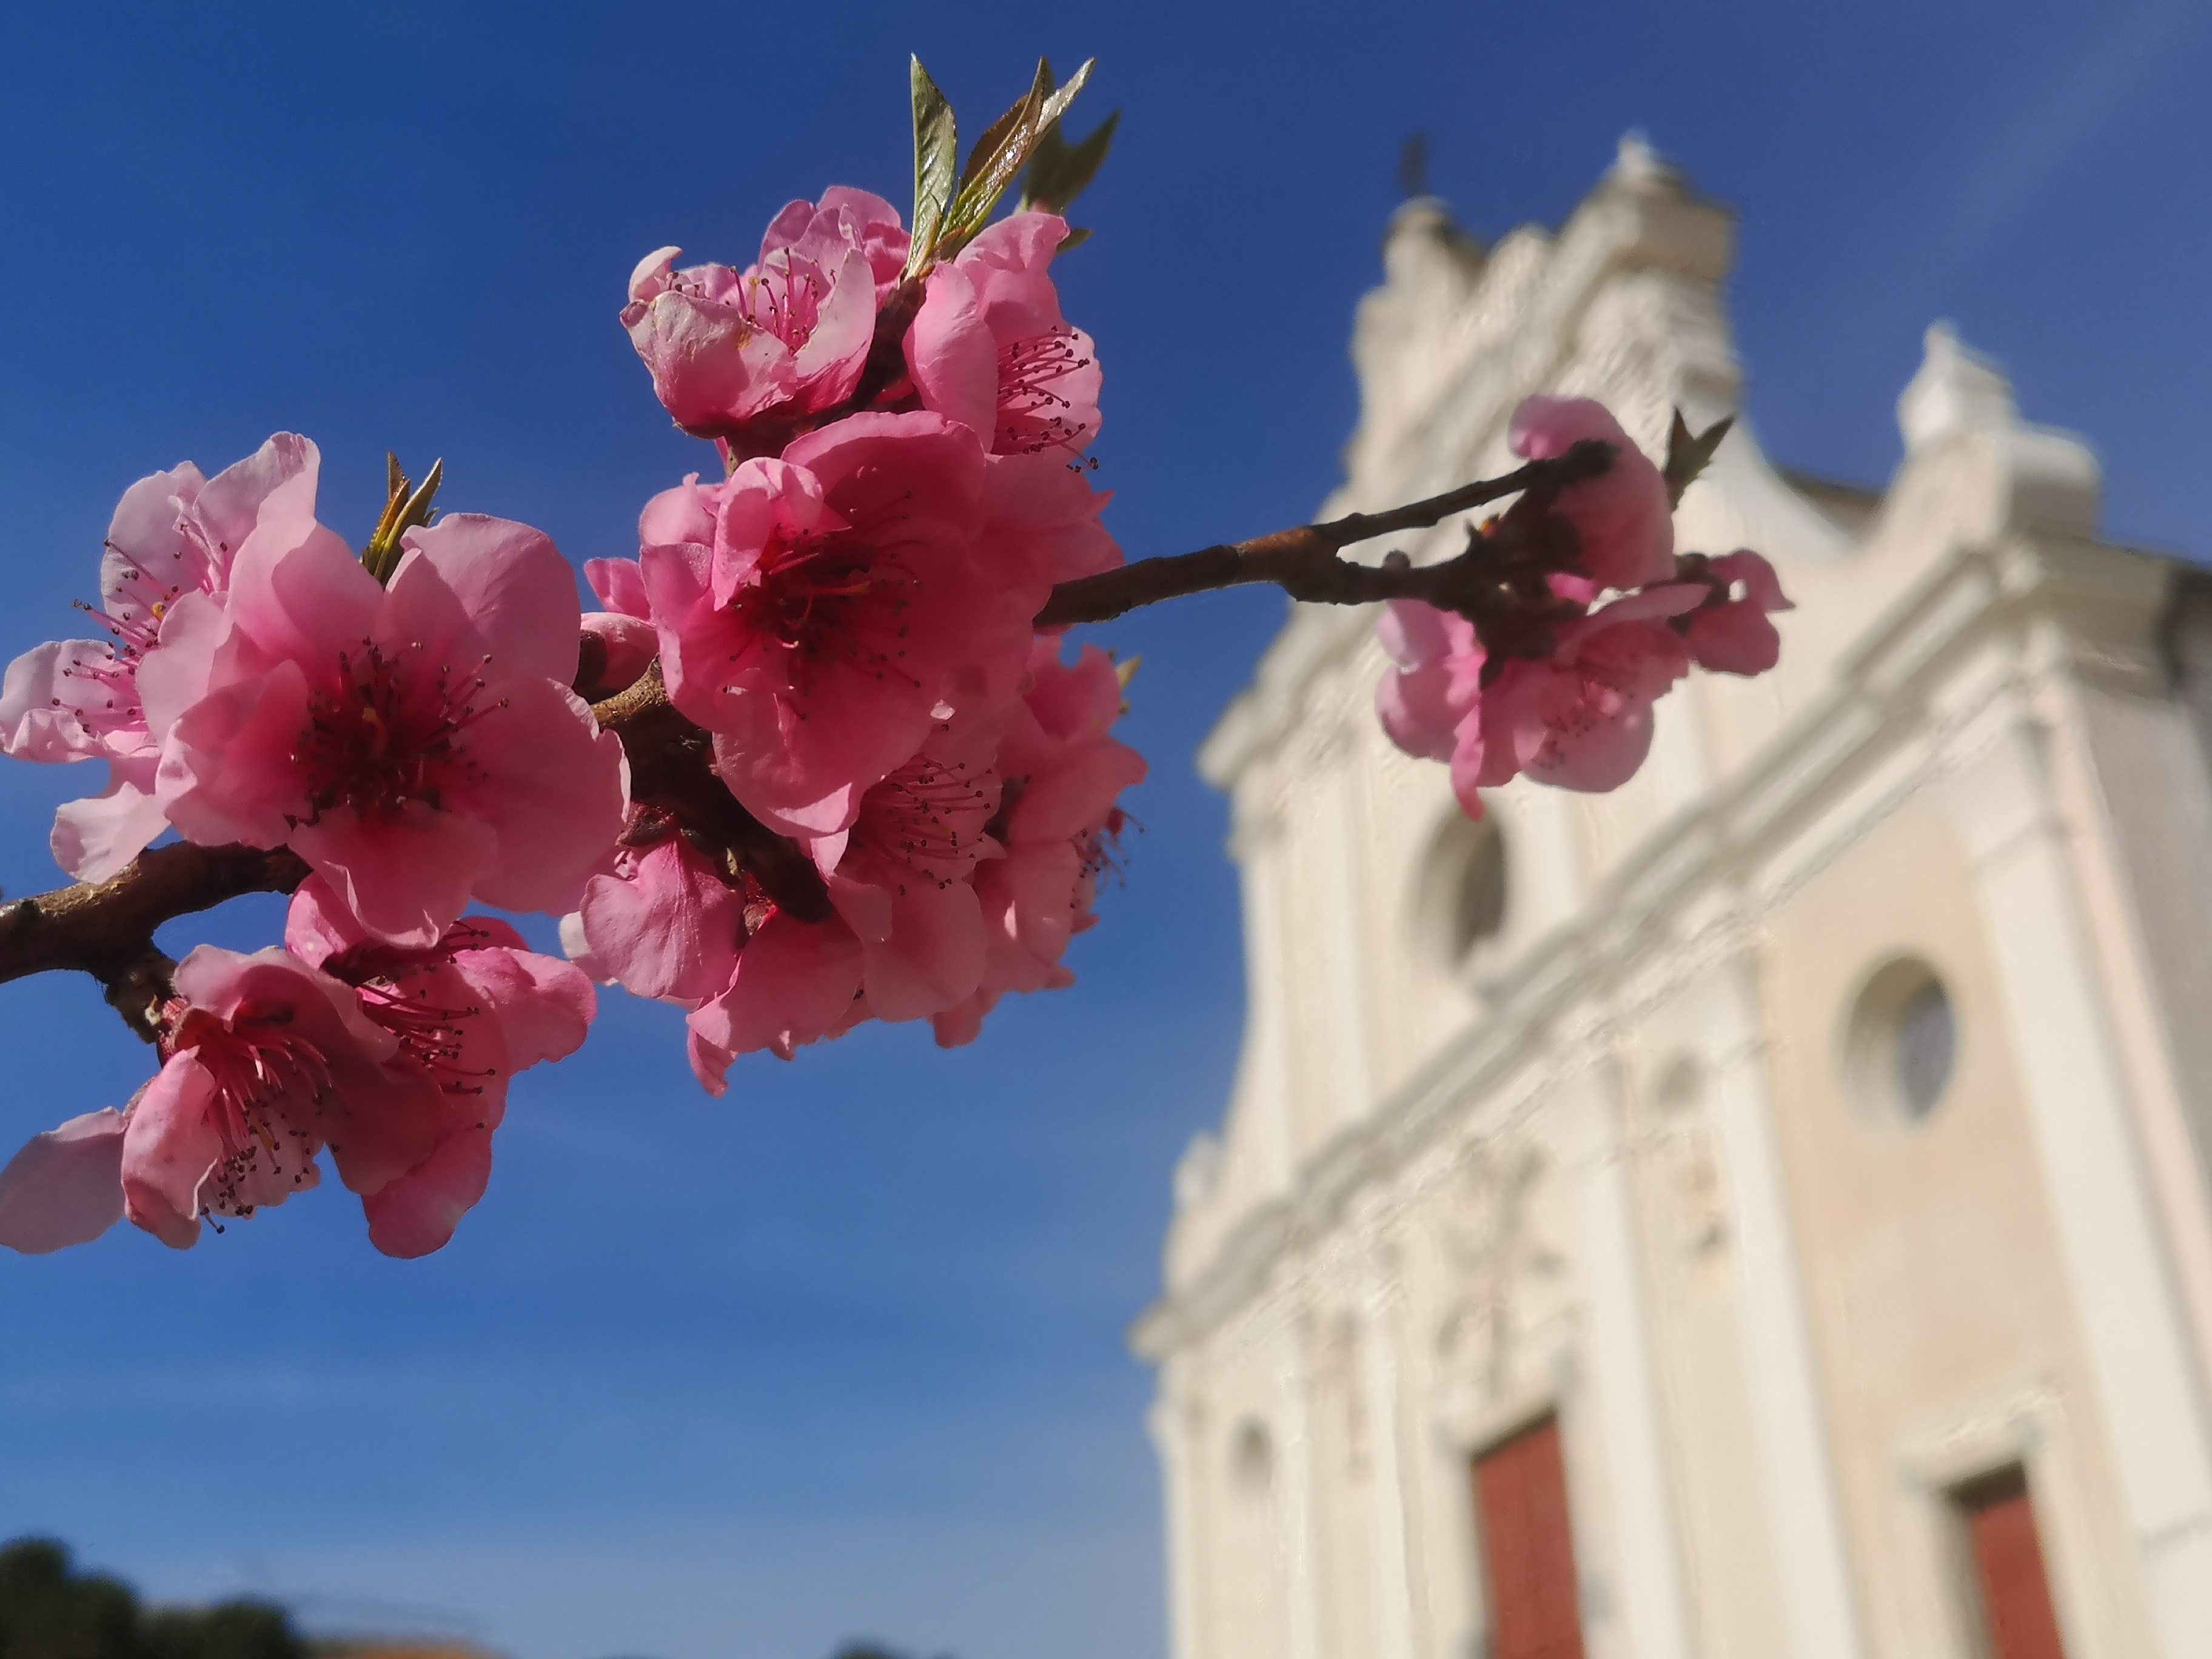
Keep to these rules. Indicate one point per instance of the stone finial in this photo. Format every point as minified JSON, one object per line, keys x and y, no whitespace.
{"x":2054,"y":478}
{"x":1639,"y":166}
{"x":1423,"y":236}
{"x":1956,"y":389}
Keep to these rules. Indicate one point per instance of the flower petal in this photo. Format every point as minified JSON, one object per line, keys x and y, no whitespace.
{"x":65,"y":1186}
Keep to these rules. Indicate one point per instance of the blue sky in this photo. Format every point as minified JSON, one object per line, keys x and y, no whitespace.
{"x":841,"y":1354}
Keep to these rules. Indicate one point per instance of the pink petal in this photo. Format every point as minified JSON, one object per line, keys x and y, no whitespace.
{"x":962,"y":1024}
{"x":543,"y":1007}
{"x":96,"y":837}
{"x":65,"y":1186}
{"x":650,"y":275}
{"x":1043,"y":507}
{"x":168,"y":1148}
{"x":873,"y":224}
{"x":630,"y":644}
{"x":709,"y":365}
{"x":553,"y":786}
{"x":1762,"y":588}
{"x":934,"y":956}
{"x":1076,"y":795}
{"x":619,"y":583}
{"x":1469,"y":773}
{"x":416,"y":1212}
{"x":229,"y":504}
{"x":1623,"y":518}
{"x":709,"y":1064}
{"x":143,"y":536}
{"x":295,"y":587}
{"x":515,"y":588}
{"x":792,"y":221}
{"x":1735,"y":638}
{"x":227,"y":772}
{"x":198,"y":648}
{"x":951,"y":355}
{"x":406,"y":875}
{"x":795,"y":981}
{"x":41,"y":716}
{"x":670,"y":931}
{"x":317,"y":924}
{"x":829,"y":365}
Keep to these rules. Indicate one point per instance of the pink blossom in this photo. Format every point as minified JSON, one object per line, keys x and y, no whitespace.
{"x":664,"y":924}
{"x":169,"y":551}
{"x":989,"y":348}
{"x":795,"y":982}
{"x":266,"y":1062}
{"x":1622,"y":517}
{"x":1058,"y":820}
{"x":1430,"y":700}
{"x":902,"y":878}
{"x":857,"y":594}
{"x":747,"y":356}
{"x":418,"y":746}
{"x":871,"y":221}
{"x":1581,"y":718}
{"x":1732,"y":635}
{"x":467,"y":1014}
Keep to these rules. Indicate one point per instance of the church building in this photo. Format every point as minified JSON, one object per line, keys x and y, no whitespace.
{"x":1762,"y":1212}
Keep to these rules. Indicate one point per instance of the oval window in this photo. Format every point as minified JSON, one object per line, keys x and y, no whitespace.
{"x":1903,"y":1042}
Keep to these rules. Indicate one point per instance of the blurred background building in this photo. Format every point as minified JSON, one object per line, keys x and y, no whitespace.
{"x":1762,"y":1212}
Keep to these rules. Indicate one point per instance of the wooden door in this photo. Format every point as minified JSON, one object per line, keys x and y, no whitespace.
{"x":1529,"y":1547}
{"x":2018,"y":1620}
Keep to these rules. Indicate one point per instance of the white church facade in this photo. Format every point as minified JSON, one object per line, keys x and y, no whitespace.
{"x":1762,"y":1212}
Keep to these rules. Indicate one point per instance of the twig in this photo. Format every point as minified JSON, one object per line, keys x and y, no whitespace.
{"x":1304,"y":561}
{"x":106,"y":929}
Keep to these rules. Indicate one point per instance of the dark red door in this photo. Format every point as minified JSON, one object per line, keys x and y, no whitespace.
{"x":2009,"y":1568}
{"x":1529,"y":1547}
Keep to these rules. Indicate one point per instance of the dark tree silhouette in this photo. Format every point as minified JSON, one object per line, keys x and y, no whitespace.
{"x":49,"y":1612}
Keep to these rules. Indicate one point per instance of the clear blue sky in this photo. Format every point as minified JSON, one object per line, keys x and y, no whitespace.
{"x":841,"y":1354}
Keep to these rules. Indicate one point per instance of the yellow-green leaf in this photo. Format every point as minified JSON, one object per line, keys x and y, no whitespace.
{"x":1060,"y":172}
{"x":1004,"y":150}
{"x":936,"y":158}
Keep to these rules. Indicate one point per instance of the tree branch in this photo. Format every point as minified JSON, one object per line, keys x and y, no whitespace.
{"x":108,"y":929}
{"x":1304,"y":561}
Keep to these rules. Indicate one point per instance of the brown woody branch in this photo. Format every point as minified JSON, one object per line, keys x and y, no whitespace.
{"x":108,"y":929}
{"x":1304,"y":561}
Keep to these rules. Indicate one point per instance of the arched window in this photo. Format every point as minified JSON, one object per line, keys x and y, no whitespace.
{"x":1461,"y":899}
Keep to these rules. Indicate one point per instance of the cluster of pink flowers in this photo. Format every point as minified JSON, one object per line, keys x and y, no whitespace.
{"x":850,"y":614}
{"x":1561,"y":689}
{"x":417,"y":744}
{"x":395,"y":1058}
{"x":889,"y":796}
